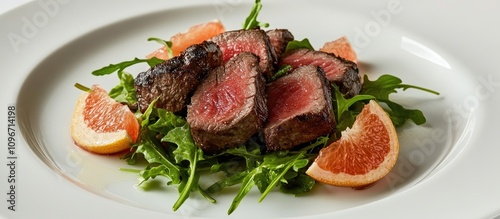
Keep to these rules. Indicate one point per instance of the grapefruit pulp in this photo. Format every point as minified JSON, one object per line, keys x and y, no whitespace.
{"x":101,"y":125}
{"x":363,"y":154}
{"x":194,"y":35}
{"x":341,"y":47}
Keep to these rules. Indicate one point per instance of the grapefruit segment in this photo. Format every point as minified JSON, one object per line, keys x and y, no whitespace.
{"x":102,"y":125}
{"x":194,"y":35}
{"x":364,"y":154}
{"x":341,"y":47}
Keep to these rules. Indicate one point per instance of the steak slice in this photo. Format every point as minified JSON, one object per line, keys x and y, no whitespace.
{"x":174,"y":80}
{"x":229,"y":106}
{"x":300,"y":109}
{"x":279,"y":40}
{"x":255,"y":41}
{"x":339,"y":70}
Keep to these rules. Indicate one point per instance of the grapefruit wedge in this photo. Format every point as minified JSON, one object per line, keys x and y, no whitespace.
{"x":364,"y":154}
{"x":194,"y":35}
{"x":341,"y":47}
{"x":101,"y":125}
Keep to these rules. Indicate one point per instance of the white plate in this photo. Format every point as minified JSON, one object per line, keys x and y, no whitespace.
{"x":447,"y":167}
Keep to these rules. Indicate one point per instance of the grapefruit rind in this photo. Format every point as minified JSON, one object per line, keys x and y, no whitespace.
{"x":96,"y":142}
{"x":347,"y":180}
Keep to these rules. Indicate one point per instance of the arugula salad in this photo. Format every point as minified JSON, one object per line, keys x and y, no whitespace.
{"x":166,"y":145}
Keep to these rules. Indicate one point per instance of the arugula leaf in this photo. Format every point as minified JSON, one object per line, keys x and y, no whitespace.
{"x":124,"y":92}
{"x":251,"y":21}
{"x":251,"y":153}
{"x":226,"y":182}
{"x":281,"y":166}
{"x":246,"y":186}
{"x":167,"y":121}
{"x":379,"y":89}
{"x":295,"y":44}
{"x":123,"y":65}
{"x":269,"y":172}
{"x":167,"y":44}
{"x":155,"y":155}
{"x":299,"y":184}
{"x":388,"y":84}
{"x":176,"y":130}
{"x":144,"y":135}
{"x":344,"y":112}
{"x":320,"y":142}
{"x":400,"y":114}
{"x":343,"y":104}
{"x":147,"y":113}
{"x":186,"y":150}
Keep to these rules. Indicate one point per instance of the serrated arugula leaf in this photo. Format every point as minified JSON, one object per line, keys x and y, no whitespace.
{"x":166,"y":122}
{"x":400,"y":114}
{"x":343,"y":105}
{"x":251,"y":21}
{"x":387,"y":84}
{"x":295,"y":44}
{"x":124,"y":92}
{"x":345,"y":111}
{"x":251,"y":153}
{"x":279,"y":166}
{"x":151,"y":172}
{"x":176,"y":130}
{"x":270,"y":172}
{"x":123,"y":65}
{"x":380,"y":90}
{"x":155,"y":155}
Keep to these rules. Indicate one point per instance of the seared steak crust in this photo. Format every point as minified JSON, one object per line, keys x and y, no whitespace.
{"x":229,"y":106}
{"x":300,"y":109}
{"x":279,"y":40}
{"x":350,"y":85}
{"x":174,"y":80}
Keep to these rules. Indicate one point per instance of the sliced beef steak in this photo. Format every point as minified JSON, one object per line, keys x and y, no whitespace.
{"x":279,"y":40}
{"x":229,"y":106}
{"x":341,"y":71}
{"x":300,"y":109}
{"x":174,"y":80}
{"x":255,"y":41}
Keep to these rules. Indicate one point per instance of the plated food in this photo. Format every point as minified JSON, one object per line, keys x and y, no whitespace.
{"x":257,"y":98}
